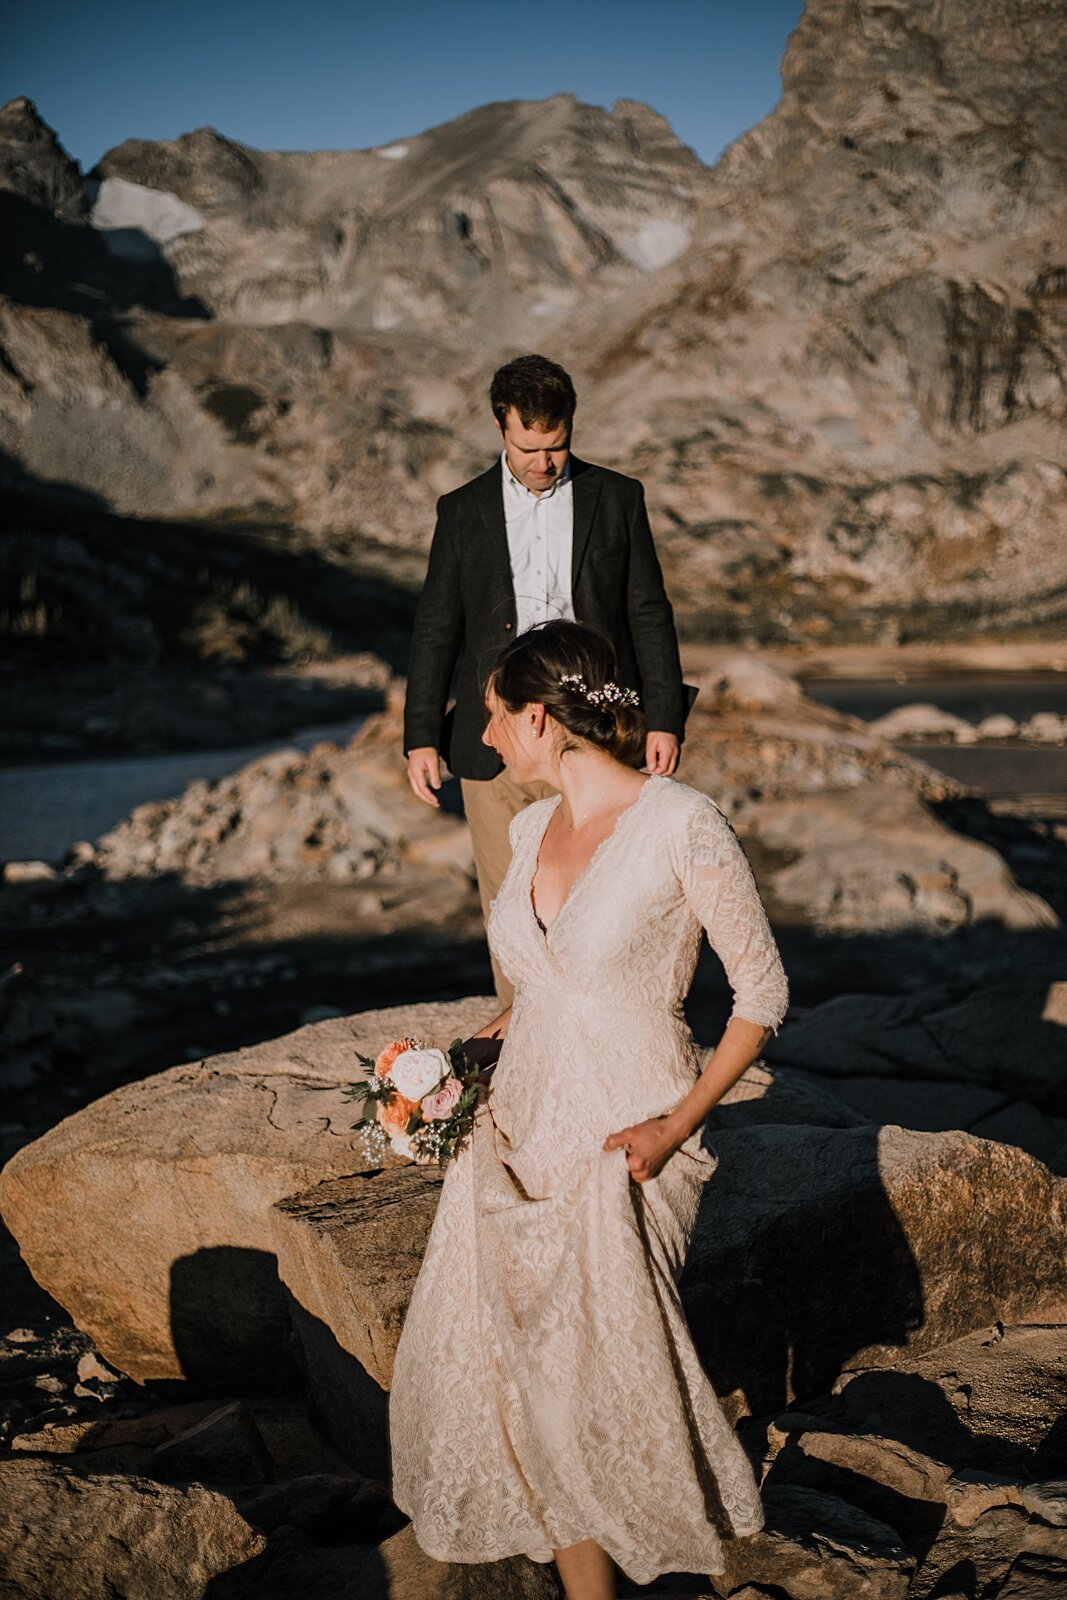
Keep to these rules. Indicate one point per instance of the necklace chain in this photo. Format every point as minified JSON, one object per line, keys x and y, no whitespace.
{"x":596,"y":800}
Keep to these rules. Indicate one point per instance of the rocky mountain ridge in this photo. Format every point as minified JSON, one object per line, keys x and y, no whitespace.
{"x":837,"y":359}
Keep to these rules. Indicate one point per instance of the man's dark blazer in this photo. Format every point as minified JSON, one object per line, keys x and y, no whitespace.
{"x":468,"y":604}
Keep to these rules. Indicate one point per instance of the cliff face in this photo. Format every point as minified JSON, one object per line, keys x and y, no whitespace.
{"x":500,"y":219}
{"x":838,"y":358}
{"x":850,"y":391}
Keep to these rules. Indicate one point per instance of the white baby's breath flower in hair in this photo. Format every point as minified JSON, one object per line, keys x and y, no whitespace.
{"x":611,"y":693}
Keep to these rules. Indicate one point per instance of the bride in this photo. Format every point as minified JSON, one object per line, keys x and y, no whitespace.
{"x":547,"y":1399}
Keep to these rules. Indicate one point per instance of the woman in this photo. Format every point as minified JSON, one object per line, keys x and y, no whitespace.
{"x":547,"y":1398}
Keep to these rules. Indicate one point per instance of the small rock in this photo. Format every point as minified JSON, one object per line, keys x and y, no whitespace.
{"x":50,"y":1383}
{"x":81,"y":854}
{"x":998,"y":726}
{"x":923,"y":721}
{"x":90,"y":1366}
{"x":29,"y":872}
{"x":226,"y":1447}
{"x":103,"y":1391}
{"x":1045,"y":728}
{"x":747,"y":683}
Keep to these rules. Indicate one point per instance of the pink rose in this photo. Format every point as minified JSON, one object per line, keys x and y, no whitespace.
{"x":437,"y":1107}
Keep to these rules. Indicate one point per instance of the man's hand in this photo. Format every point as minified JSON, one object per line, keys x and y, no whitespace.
{"x":661,"y":753}
{"x":648,"y":1145}
{"x":424,"y":769}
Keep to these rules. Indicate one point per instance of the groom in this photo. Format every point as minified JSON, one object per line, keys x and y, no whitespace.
{"x":540,"y":535}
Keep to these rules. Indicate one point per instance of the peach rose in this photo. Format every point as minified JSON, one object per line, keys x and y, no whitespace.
{"x":436,"y":1107}
{"x":390,"y":1053}
{"x":395,"y":1115}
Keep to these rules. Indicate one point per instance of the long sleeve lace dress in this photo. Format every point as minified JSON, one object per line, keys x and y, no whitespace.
{"x":546,"y":1389}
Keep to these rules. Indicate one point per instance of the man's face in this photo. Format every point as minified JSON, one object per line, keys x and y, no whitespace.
{"x":536,"y":457}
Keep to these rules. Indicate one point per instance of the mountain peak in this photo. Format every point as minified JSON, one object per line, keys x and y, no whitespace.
{"x":34,"y":165}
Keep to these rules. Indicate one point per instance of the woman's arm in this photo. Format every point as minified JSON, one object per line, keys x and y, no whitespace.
{"x":495,"y":1029}
{"x":650,"y":1145}
{"x":483,"y":1047}
{"x":718,"y":884}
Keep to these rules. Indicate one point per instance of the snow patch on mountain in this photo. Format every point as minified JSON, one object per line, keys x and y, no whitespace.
{"x":132,"y":218}
{"x":655,"y":244}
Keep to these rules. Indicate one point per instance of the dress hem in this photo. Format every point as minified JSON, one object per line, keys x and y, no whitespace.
{"x":646,"y":1575}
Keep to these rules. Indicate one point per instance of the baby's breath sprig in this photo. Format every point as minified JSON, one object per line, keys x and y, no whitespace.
{"x":611,"y":694}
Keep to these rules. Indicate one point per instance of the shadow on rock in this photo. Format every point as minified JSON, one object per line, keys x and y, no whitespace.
{"x":147,"y":590}
{"x":230,"y":1314}
{"x":781,"y":1316}
{"x":68,"y":266}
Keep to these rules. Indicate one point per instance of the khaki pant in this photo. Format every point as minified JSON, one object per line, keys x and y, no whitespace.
{"x":490,"y":805}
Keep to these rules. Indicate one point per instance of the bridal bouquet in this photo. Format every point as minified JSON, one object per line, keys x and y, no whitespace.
{"x":419,"y":1100}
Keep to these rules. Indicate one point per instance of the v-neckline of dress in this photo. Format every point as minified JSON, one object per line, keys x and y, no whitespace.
{"x":590,"y":864}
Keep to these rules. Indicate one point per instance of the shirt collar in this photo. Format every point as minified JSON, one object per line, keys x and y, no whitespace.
{"x":511,"y":481}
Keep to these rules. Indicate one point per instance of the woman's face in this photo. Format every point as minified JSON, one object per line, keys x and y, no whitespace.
{"x":506,"y":733}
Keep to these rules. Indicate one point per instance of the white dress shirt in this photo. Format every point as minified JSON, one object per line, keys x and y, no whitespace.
{"x":540,"y":540}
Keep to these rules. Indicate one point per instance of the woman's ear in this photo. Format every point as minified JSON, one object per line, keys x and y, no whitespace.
{"x":536,"y":713}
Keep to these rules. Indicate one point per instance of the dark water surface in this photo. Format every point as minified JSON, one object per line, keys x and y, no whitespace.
{"x":44,"y":810}
{"x":1019,"y":695}
{"x":1002,"y":770}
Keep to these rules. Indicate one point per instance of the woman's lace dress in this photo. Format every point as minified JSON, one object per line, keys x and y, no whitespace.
{"x":546,"y":1389}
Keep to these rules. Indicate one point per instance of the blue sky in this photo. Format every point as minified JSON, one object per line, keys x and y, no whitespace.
{"x":335,"y":75}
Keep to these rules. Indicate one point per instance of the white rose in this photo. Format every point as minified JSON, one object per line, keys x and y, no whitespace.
{"x":415,"y":1072}
{"x":400,"y":1144}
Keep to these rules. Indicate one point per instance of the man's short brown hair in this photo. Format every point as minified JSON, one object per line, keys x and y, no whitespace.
{"x":539,"y":389}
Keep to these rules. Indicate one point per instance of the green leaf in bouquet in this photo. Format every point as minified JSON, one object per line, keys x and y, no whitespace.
{"x":376,"y":1089}
{"x":458,"y":1057}
{"x":467,"y":1100}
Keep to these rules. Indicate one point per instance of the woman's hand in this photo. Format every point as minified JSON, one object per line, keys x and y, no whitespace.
{"x":648,"y":1145}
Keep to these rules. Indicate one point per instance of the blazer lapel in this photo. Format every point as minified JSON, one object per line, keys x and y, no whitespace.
{"x":494,"y":556}
{"x":586,"y":493}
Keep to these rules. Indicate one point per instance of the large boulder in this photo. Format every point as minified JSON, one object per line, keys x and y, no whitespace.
{"x":79,"y":1536}
{"x":1008,"y":1038}
{"x":148,"y":1214}
{"x":349,"y":1252}
{"x":875,"y":857}
{"x":815,"y":1546}
{"x":821,"y":1249}
{"x":816,"y":1250}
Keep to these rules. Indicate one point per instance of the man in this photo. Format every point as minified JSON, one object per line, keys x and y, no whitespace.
{"x":540,"y":535}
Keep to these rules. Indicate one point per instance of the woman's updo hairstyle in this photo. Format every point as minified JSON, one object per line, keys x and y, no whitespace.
{"x":570,"y":668}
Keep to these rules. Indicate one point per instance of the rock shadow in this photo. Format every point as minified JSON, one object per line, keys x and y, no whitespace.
{"x":68,"y":266}
{"x":230,"y":1323}
{"x":138,"y":589}
{"x":238,"y":1329}
{"x":777,"y":1317}
{"x":357,"y":1421}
